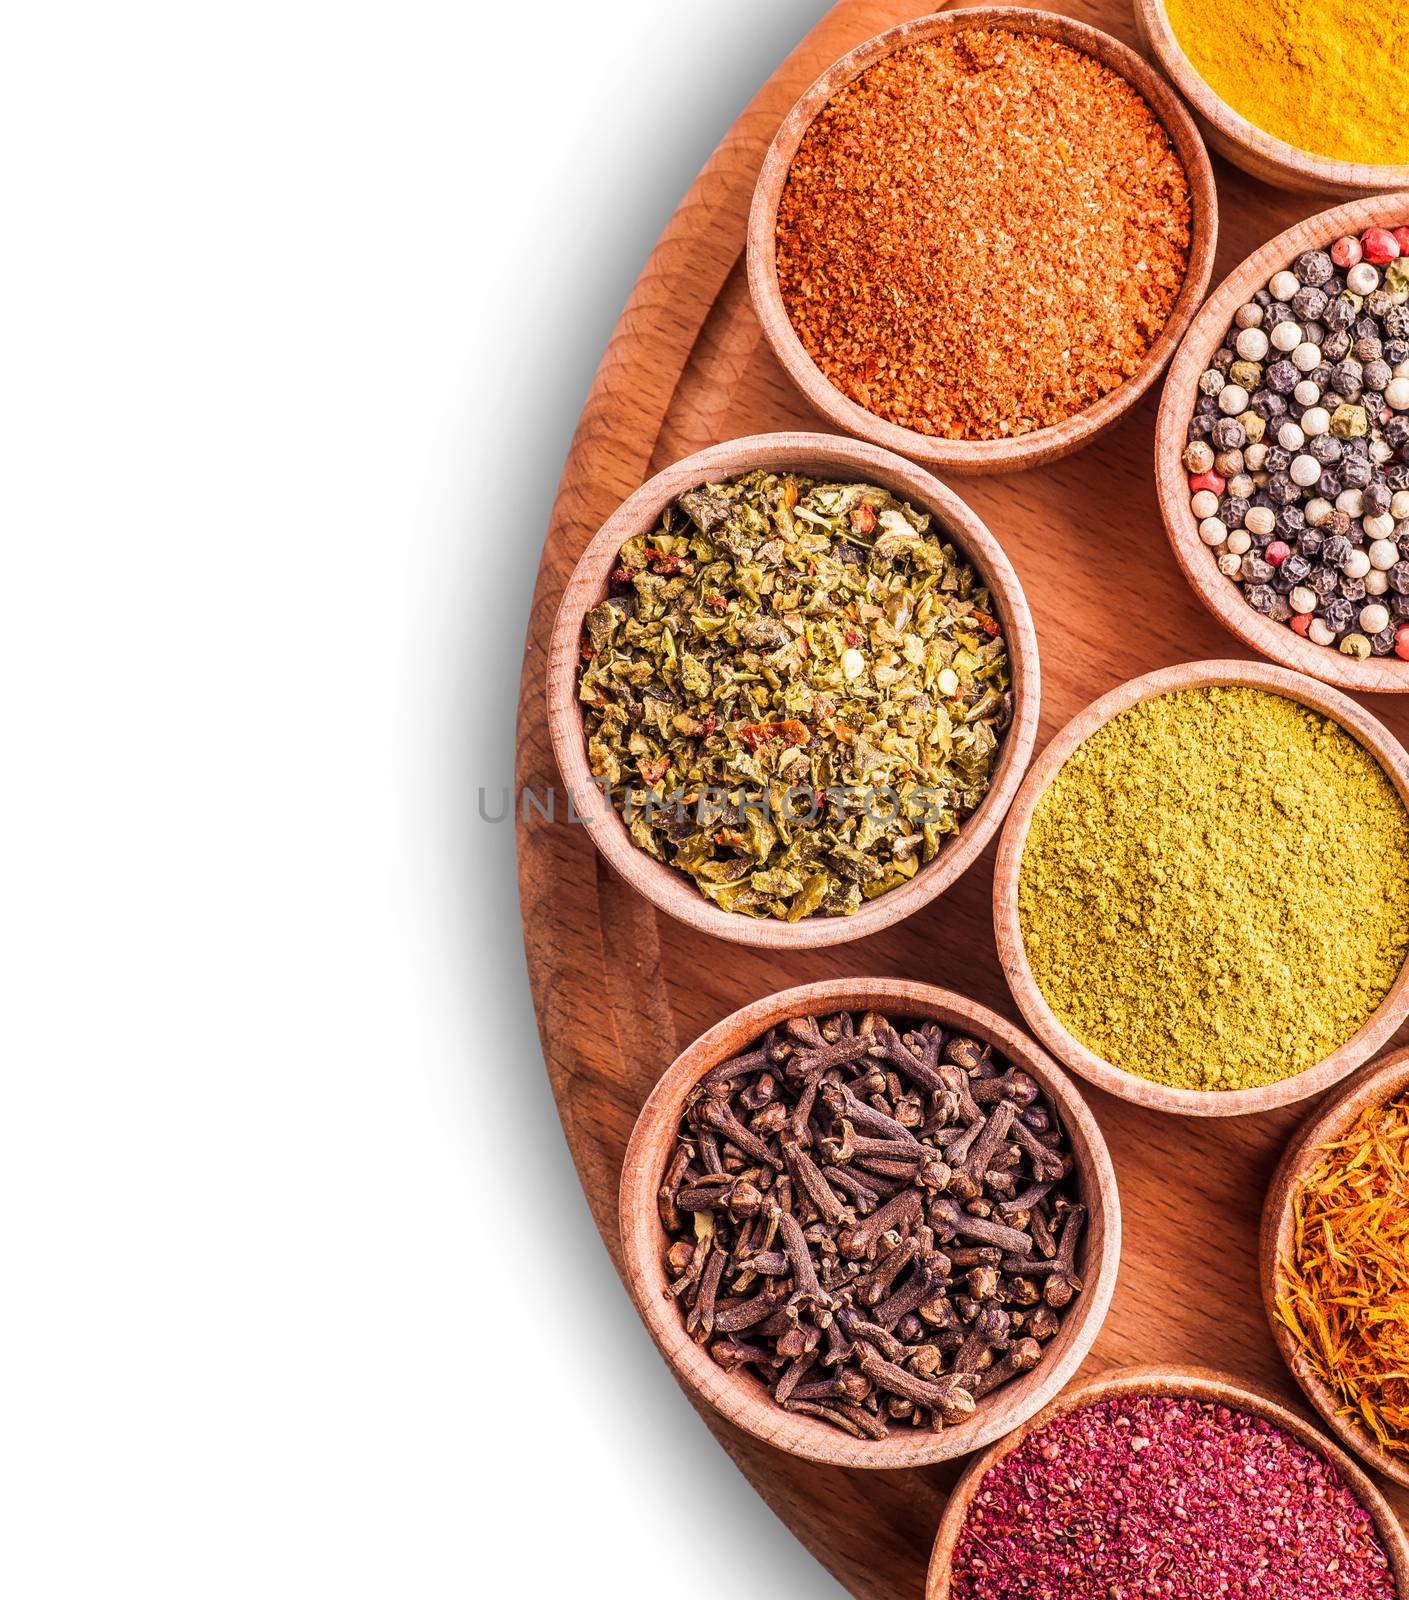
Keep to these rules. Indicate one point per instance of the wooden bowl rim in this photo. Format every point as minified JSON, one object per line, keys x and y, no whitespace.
{"x":1375,"y":1085}
{"x":829,"y":455}
{"x":1220,"y":595}
{"x":742,"y":1400}
{"x":1378,"y":1028}
{"x":980,"y":456}
{"x":1180,"y":1382}
{"x":1304,"y":167}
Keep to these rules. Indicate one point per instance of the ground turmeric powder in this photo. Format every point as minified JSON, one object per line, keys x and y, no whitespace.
{"x":1327,"y":76}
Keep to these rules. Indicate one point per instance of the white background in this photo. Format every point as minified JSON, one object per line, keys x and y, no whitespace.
{"x":298,"y":305}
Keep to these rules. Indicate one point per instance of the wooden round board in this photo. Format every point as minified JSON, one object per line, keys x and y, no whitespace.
{"x":620,"y":989}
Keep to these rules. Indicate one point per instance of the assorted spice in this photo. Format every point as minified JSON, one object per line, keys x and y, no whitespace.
{"x":982,"y":234}
{"x":1298,"y":453}
{"x":1321,"y":75}
{"x":1142,"y":1496}
{"x":1345,"y":1286}
{"x":876,"y":1219}
{"x":1214,"y":891}
{"x":794,"y":692}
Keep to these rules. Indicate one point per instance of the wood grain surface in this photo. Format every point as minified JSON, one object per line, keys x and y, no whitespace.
{"x":621,"y":990}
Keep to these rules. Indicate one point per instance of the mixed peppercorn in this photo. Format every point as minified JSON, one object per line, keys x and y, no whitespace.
{"x":1298,"y":452}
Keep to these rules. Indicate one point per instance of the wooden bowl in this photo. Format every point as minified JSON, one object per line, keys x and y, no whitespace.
{"x":1243,"y":142}
{"x":819,"y":455}
{"x":1185,"y":1383}
{"x":742,"y":1398}
{"x":1378,"y":1027}
{"x":1223,"y":597}
{"x":1042,"y":444}
{"x":1386,"y":1081}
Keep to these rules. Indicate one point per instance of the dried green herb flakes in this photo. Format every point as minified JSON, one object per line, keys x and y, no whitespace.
{"x":793,"y":693}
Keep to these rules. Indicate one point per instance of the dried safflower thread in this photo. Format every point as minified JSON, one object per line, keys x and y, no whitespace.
{"x":1144,"y":1496}
{"x":1214,"y":891}
{"x":1345,"y":1295}
{"x":982,"y":234}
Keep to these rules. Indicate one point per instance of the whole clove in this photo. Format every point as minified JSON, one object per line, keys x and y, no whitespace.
{"x":878,"y":1220}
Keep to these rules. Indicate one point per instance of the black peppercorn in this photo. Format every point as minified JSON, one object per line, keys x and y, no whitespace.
{"x":1382,"y":643}
{"x":1229,"y":434}
{"x":1259,"y":595}
{"x":1338,"y":614}
{"x":1256,"y":570}
{"x":1277,"y":460}
{"x":1281,"y":489}
{"x":1325,"y":448}
{"x":1399,"y":577}
{"x":1347,"y":377}
{"x":1399,"y":605}
{"x":1339,"y":314}
{"x":1308,"y":303}
{"x":1313,"y":267}
{"x":1353,"y":589}
{"x":1309,"y":542}
{"x":1323,"y":580}
{"x":1377,"y":499}
{"x":1234,"y":512}
{"x":1355,"y":471}
{"x":1268,"y":405}
{"x":1336,"y":550}
{"x":1397,"y":322}
{"x":1368,"y":347}
{"x":1282,"y":377}
{"x":1337,"y":345}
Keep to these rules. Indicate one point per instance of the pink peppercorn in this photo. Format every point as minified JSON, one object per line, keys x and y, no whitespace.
{"x":1401,"y":643}
{"x":1208,"y":1500}
{"x":1300,"y":623}
{"x":1346,"y":252}
{"x":1276,"y":552}
{"x":1401,"y":238}
{"x":1380,"y":246}
{"x":1208,"y":480}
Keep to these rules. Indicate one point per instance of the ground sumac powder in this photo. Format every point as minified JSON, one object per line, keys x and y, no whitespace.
{"x":982,"y":234}
{"x":1149,"y":1496}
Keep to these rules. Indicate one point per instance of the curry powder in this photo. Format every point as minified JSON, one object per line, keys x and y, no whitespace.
{"x":1214,"y":891}
{"x":1328,"y":77}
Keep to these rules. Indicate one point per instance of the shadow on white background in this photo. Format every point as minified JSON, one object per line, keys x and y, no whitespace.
{"x":301,"y":302}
